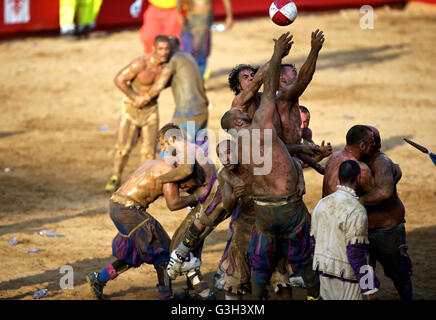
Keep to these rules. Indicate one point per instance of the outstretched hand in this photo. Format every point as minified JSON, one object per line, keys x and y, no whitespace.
{"x":326,"y":150}
{"x":283,"y":44}
{"x":317,"y":39}
{"x":311,"y":150}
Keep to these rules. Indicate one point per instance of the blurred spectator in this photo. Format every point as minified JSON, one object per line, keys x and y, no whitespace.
{"x":78,"y":17}
{"x":197,"y":22}
{"x":160,"y":18}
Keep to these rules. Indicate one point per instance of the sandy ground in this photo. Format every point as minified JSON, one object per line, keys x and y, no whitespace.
{"x":57,"y":94}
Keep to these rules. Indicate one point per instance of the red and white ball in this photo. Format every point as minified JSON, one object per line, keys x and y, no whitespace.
{"x":283,"y":12}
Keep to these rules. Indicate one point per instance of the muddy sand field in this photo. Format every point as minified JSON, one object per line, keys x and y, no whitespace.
{"x":59,"y":110}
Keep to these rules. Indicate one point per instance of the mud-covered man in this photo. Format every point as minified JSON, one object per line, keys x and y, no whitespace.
{"x":386,"y":219}
{"x":139,"y":114}
{"x":141,"y":238}
{"x":281,"y":216}
{"x":187,"y":85}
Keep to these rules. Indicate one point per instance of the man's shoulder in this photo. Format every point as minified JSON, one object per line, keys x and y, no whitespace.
{"x":161,"y":164}
{"x":380,"y":159}
{"x":180,"y":56}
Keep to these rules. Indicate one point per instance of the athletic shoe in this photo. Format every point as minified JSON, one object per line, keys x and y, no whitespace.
{"x":218,"y":280}
{"x":297,"y":282}
{"x":178,"y":266}
{"x":96,"y":285}
{"x":113,"y":184}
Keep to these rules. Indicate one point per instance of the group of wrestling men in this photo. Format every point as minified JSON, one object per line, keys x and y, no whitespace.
{"x":274,"y":239}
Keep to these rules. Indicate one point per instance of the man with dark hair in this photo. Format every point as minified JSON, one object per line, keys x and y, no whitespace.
{"x":245,"y":82}
{"x":139,"y":118}
{"x":340,"y":231}
{"x":281,"y":216}
{"x":235,"y":74}
{"x":360,"y":140}
{"x":386,"y":219}
{"x":292,"y":86}
{"x":141,"y":238}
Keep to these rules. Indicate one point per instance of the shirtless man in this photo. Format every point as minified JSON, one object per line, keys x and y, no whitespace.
{"x":245,"y":82}
{"x":281,"y":216}
{"x":387,"y":234}
{"x":196,"y":23}
{"x":141,"y":238}
{"x":187,"y":85}
{"x":292,"y":86}
{"x":235,"y":181}
{"x":139,"y":116}
{"x":359,"y":143}
{"x":189,"y":237}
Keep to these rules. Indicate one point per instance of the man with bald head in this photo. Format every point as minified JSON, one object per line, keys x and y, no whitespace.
{"x":387,"y":234}
{"x":282,"y":224}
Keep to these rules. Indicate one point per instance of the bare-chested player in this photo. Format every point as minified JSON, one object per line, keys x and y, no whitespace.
{"x":292,"y":86}
{"x":189,"y":237}
{"x":246,"y":82}
{"x":141,"y":238}
{"x":139,"y":115}
{"x":387,"y":234}
{"x":187,"y":85}
{"x":281,"y":216}
{"x":235,"y":181}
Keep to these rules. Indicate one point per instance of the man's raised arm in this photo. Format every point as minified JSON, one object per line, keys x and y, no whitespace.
{"x":293,"y":91}
{"x":264,"y":115}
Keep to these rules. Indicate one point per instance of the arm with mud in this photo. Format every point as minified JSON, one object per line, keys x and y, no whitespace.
{"x":264,"y":115}
{"x":243,"y":99}
{"x":173,"y":198}
{"x":384,"y":182}
{"x":294,"y":91}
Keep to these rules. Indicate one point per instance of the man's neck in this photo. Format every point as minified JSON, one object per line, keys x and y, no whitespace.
{"x":353,"y":151}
